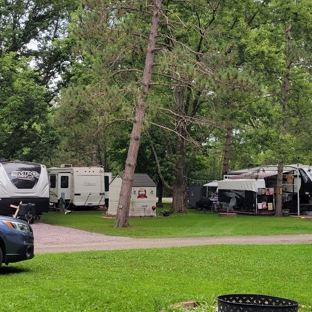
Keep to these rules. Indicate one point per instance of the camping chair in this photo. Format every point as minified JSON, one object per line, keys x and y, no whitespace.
{"x":231,"y":204}
{"x":17,"y":209}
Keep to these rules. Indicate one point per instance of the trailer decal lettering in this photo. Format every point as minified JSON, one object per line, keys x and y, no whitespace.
{"x":25,"y":174}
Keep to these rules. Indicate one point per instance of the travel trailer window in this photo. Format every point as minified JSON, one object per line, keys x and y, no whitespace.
{"x":52,"y":181}
{"x":64,"y":182}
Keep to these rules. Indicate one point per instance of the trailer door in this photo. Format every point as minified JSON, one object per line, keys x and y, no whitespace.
{"x":53,"y":189}
{"x":64,"y":186}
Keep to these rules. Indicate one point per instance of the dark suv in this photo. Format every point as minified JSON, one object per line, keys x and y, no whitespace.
{"x":16,"y":240}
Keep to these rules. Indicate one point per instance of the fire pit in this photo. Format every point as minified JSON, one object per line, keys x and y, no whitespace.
{"x":251,"y":302}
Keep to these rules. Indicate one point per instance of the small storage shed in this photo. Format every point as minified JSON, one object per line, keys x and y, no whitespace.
{"x":143,"y":196}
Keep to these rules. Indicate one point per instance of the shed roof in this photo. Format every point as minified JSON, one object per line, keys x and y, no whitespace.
{"x":141,"y":179}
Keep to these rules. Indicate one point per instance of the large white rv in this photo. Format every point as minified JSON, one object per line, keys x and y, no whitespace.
{"x":79,"y":186}
{"x":23,"y":183}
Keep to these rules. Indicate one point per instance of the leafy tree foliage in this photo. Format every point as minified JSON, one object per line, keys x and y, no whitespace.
{"x":23,"y":111}
{"x":227,"y":75}
{"x":34,"y":28}
{"x":29,"y":62}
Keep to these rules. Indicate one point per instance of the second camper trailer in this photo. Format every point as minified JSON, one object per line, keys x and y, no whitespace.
{"x":79,"y":186}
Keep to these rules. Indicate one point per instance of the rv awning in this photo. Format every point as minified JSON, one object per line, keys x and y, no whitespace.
{"x":212,"y":184}
{"x":253,"y":175}
{"x":241,"y":184}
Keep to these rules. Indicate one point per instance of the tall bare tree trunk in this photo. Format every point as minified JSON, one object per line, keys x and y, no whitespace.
{"x":160,"y":188}
{"x":179,"y":184}
{"x":227,"y":150}
{"x":122,"y":215}
{"x":285,"y":93}
{"x":278,"y":200}
{"x":96,"y":161}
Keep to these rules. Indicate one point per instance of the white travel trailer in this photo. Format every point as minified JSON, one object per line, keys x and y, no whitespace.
{"x":23,"y":183}
{"x":79,"y":186}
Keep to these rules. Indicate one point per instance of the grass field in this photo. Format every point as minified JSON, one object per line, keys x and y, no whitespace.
{"x":152,"y":279}
{"x":192,"y":224}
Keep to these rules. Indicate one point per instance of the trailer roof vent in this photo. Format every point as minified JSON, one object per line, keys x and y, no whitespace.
{"x":66,"y":166}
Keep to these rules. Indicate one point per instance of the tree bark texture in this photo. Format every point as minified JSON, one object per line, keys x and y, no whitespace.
{"x":160,"y":188}
{"x":227,"y":150}
{"x":96,"y":155}
{"x":122,"y":215}
{"x":285,"y":93}
{"x":180,"y":183}
{"x":279,"y":185}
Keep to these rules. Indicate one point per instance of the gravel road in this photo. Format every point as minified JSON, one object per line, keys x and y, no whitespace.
{"x":55,"y":239}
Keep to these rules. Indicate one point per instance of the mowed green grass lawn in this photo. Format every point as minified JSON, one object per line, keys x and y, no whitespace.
{"x":192,"y":224}
{"x":152,"y":279}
